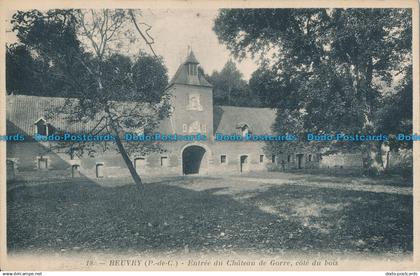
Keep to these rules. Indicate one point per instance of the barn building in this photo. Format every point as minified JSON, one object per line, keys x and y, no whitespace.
{"x":193,"y":112}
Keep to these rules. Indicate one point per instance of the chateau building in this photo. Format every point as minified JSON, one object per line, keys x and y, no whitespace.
{"x":192,"y":112}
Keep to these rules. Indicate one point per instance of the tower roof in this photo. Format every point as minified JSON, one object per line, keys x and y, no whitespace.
{"x":191,"y":58}
{"x":182,"y":77}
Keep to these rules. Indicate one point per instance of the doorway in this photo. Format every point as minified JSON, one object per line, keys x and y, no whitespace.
{"x":299,"y":160}
{"x":243,"y":161}
{"x":139,"y":163}
{"x":75,"y":171}
{"x":99,"y":170}
{"x":192,"y":159}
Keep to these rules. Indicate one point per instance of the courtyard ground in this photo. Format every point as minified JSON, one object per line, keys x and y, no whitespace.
{"x":263,"y":213}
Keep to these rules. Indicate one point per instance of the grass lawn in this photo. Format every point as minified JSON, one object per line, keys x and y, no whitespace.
{"x":208,"y":215}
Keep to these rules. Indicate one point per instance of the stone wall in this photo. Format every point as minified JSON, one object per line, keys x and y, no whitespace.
{"x":109,"y":164}
{"x":341,"y":160}
{"x":219,"y":158}
{"x":180,"y":113}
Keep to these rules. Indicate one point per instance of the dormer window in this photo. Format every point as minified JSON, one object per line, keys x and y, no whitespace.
{"x":43,"y":128}
{"x":140,"y":131}
{"x":243,"y":129}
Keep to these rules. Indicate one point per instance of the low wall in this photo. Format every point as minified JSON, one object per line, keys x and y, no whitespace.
{"x":341,"y":160}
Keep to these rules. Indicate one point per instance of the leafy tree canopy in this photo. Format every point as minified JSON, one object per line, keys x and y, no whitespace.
{"x":54,"y":58}
{"x":326,"y":70}
{"x":229,"y":87}
{"x":81,"y":55}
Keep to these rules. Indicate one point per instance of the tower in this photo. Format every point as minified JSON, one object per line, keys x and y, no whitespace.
{"x":191,"y":99}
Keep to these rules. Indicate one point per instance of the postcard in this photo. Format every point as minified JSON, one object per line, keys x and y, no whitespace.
{"x":204,"y":135}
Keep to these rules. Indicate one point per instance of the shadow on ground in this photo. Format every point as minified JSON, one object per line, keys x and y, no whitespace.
{"x":339,"y":177}
{"x":74,"y":217}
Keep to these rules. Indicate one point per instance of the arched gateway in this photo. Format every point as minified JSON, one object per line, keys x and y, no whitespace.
{"x":194,"y":160}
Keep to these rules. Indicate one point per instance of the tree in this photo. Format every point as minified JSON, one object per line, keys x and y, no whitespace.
{"x":323,"y":66}
{"x":229,"y":87}
{"x":84,"y":46}
{"x":20,"y":62}
{"x":395,"y":113}
{"x":37,"y":80}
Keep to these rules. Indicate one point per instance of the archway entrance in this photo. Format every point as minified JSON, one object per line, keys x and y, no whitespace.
{"x":193,"y":158}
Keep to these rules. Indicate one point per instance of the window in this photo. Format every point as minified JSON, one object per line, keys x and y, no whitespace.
{"x":261,"y":158}
{"x":43,"y":128}
{"x":184,"y":128}
{"x":192,"y":69}
{"x":164,"y":161}
{"x":310,"y":157}
{"x":245,"y":130}
{"x":273,"y":159}
{"x":289,"y":158}
{"x":194,"y":102}
{"x":42,"y":163}
{"x":100,"y":170}
{"x":194,"y":127}
{"x":222,"y":159}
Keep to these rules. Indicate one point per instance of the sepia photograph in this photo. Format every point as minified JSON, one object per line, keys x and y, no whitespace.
{"x":209,"y":137}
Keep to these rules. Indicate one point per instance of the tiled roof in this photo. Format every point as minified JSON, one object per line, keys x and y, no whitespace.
{"x":182,"y":77}
{"x":23,"y":111}
{"x":227,"y":119}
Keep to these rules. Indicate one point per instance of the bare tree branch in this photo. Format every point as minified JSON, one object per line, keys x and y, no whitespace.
{"x":141,"y":33}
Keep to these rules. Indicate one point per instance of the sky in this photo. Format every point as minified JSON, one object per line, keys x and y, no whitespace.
{"x":175,"y":30}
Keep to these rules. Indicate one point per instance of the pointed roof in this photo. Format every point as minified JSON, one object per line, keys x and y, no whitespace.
{"x":182,"y":77}
{"x":191,"y":58}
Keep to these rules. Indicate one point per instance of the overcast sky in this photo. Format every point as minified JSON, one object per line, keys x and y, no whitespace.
{"x":175,"y":29}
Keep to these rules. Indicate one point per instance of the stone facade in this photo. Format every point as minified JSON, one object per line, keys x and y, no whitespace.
{"x":192,"y":112}
{"x":340,"y":160}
